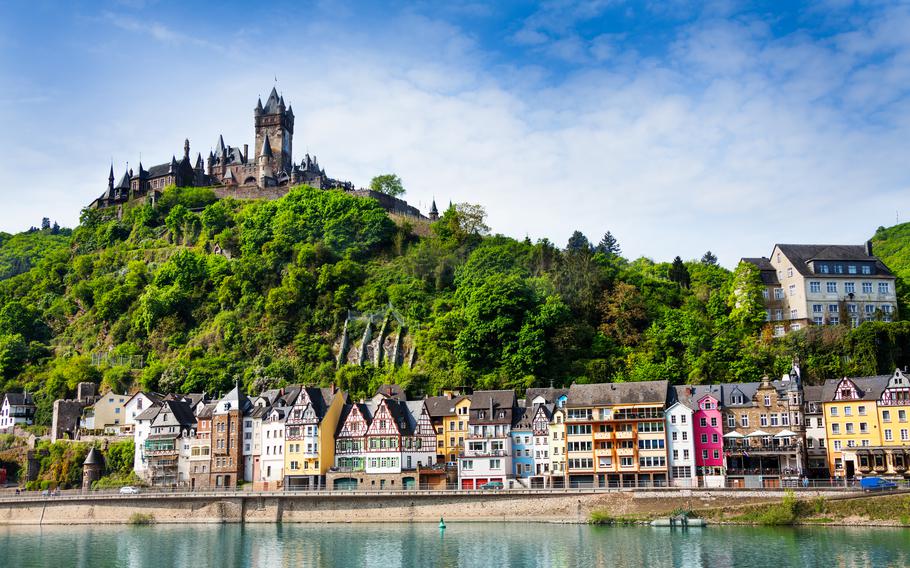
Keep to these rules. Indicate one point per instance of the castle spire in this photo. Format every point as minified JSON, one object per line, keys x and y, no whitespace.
{"x":267,"y":148}
{"x":434,"y":213}
{"x":173,"y":167}
{"x":186,"y":149}
{"x":110,"y":178}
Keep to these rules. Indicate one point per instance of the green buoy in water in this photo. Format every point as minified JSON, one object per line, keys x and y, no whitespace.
{"x":442,"y":524}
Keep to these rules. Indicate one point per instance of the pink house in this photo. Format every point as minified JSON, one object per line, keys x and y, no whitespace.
{"x":707,"y":428}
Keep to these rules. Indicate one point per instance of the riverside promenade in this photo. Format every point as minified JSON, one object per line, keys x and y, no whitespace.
{"x":530,"y":505}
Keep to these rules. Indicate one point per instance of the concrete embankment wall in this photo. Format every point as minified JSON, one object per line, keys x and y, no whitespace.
{"x":384,"y":507}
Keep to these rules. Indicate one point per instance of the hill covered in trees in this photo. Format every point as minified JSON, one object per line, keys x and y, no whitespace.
{"x":194,"y":292}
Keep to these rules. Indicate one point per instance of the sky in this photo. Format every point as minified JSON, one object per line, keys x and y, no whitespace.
{"x":680,"y":127}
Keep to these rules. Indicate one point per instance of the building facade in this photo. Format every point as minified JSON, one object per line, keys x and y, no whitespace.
{"x":825,"y":285}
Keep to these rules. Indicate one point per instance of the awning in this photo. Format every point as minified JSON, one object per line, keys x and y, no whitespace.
{"x":785,"y":434}
{"x":736,"y":435}
{"x":758,"y":434}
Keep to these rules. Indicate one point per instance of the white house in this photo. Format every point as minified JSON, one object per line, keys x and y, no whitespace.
{"x":17,"y":408}
{"x":142,"y":428}
{"x":681,"y":444}
{"x":271,"y":465}
{"x":488,"y":449}
{"x":136,"y":405}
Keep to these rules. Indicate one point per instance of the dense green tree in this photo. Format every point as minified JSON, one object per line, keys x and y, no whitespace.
{"x":390,"y":184}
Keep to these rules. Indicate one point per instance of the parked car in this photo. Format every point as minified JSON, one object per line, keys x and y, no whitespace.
{"x":129,"y":490}
{"x":876,"y":484}
{"x":492,"y":485}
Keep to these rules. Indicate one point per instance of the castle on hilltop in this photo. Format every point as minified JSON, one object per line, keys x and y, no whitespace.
{"x":231,"y":173}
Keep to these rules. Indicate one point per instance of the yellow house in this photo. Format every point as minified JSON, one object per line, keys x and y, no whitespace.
{"x":557,"y":447}
{"x":107,"y":414}
{"x":449,"y":416}
{"x":891,"y":459}
{"x":851,"y":420}
{"x":309,"y":441}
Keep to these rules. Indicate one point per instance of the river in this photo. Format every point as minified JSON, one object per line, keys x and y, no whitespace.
{"x":515,"y":545}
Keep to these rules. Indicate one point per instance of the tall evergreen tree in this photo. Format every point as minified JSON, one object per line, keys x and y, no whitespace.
{"x":578,"y":242}
{"x":609,"y":245}
{"x":709,"y":259}
{"x":679,"y":273}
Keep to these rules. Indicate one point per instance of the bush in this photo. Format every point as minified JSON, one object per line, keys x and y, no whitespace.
{"x":139,"y":519}
{"x":781,"y":514}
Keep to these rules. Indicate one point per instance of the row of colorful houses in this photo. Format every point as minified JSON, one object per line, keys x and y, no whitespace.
{"x":760,"y":434}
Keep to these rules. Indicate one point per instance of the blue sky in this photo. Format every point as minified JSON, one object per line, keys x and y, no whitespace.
{"x":678,"y":126}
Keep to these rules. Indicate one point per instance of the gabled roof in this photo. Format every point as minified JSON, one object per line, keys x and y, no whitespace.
{"x":267,"y":148}
{"x":691,"y":394}
{"x":392,"y":391}
{"x":20,"y":399}
{"x":767,"y":273}
{"x":346,"y":412}
{"x":154,"y":397}
{"x":495,"y":400}
{"x":813,"y":393}
{"x":182,"y":412}
{"x":124,"y":182}
{"x":869,"y":388}
{"x":206,"y":411}
{"x":550,"y":395}
{"x":617,"y":393}
{"x":438,"y":406}
{"x":149,"y":413}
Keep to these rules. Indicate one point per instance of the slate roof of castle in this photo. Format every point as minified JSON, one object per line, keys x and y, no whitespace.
{"x":93,"y":457}
{"x":271,"y":105}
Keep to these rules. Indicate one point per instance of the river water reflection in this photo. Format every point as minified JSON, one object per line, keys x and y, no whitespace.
{"x":462,"y":545}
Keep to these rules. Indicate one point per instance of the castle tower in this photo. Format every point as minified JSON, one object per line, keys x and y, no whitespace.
{"x":275,"y":122}
{"x":434,"y":213}
{"x":266,"y":162}
{"x":91,"y":469}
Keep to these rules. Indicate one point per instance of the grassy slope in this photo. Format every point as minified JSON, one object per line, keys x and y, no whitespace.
{"x":892,"y":245}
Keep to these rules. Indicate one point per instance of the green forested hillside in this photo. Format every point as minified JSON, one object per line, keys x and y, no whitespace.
{"x":892,"y":245}
{"x":483,"y":310}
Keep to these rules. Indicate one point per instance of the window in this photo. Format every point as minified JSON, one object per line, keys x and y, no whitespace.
{"x":849,"y":427}
{"x":767,"y":400}
{"x":886,"y":416}
{"x":867,"y":287}
{"x":861,"y":410}
{"x":849,"y":287}
{"x":744,"y":421}
{"x":779,"y":293}
{"x":763,"y":419}
{"x":835,"y":429}
{"x":823,"y":268}
{"x":831,"y":287}
{"x":778,"y":314}
{"x":888,"y":435}
{"x":703,"y":422}
{"x":716,"y":454}
{"x":818,"y":320}
{"x":764,"y":294}
{"x":838,"y":268}
{"x":884,"y":288}
{"x":902,"y":415}
{"x":704,"y":454}
{"x":834,"y":320}
{"x":837,"y":445}
{"x":815,"y":287}
{"x":672,"y":419}
{"x":704,"y":438}
{"x":817,"y":309}
{"x":789,"y":272}
{"x":775,"y":419}
{"x":904,"y":434}
{"x":851,"y":269}
{"x":714,"y":421}
{"x":686,"y":452}
{"x":731,"y":421}
{"x":848,"y":411}
{"x":792,"y":289}
{"x":793,"y":314}
{"x":714,"y":439}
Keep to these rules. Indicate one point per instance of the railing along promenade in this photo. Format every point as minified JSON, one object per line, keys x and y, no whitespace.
{"x":10,"y":496}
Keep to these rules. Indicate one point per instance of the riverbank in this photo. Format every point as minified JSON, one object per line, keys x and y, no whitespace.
{"x":882,"y":510}
{"x":567,"y":506}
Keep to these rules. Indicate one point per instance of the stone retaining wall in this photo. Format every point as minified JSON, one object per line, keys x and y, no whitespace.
{"x":369,"y":507}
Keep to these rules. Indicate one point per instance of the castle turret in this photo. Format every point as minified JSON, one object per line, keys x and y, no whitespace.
{"x":275,"y":121}
{"x":173,"y":167}
{"x":434,"y":213}
{"x":110,"y":179}
{"x":91,"y":469}
{"x":265,"y":162}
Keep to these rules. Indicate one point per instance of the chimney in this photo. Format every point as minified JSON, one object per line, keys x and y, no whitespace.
{"x":246,"y":152}
{"x":868,"y":248}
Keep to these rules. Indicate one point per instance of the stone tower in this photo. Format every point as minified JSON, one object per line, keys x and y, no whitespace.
{"x":91,"y":469}
{"x":275,"y":123}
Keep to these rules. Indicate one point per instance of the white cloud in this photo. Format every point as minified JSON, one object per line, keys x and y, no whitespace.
{"x":731,"y":142}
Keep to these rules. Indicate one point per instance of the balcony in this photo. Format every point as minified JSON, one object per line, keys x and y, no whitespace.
{"x":605,"y":452}
{"x":624,"y":435}
{"x":603,"y":435}
{"x":625,"y":452}
{"x":162,"y":452}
